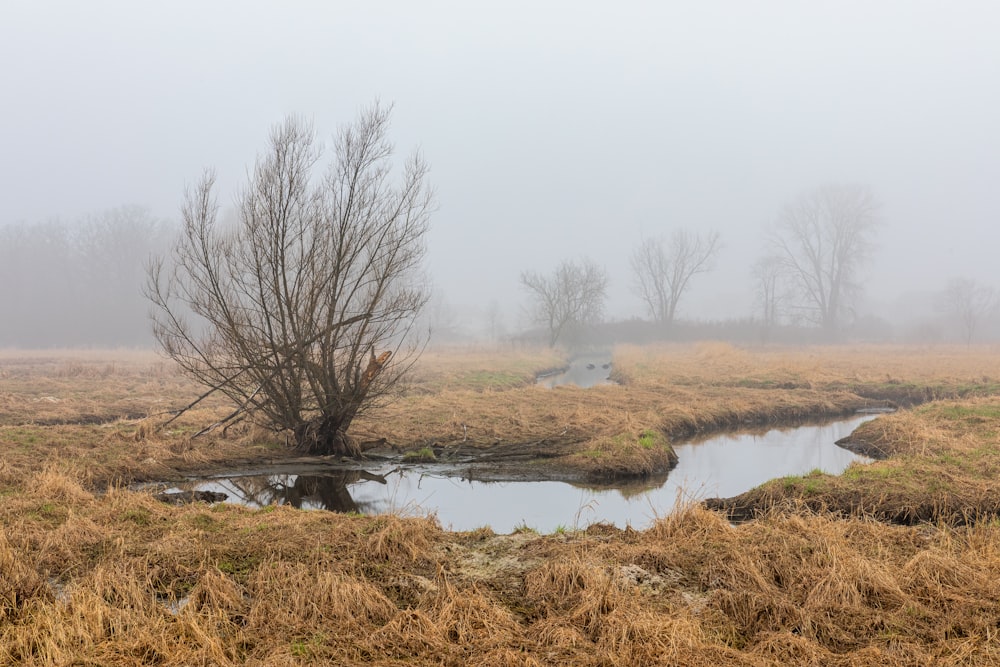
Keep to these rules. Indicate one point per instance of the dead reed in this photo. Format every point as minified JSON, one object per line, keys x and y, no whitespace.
{"x":94,"y":574}
{"x":136,"y":582}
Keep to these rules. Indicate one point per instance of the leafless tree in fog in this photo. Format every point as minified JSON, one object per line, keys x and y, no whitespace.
{"x":494,"y":321}
{"x":573,"y":295}
{"x":441,"y":318}
{"x":663,"y":269}
{"x":824,"y":238}
{"x":969,"y":303}
{"x":78,"y":283}
{"x":303,"y":308}
{"x":767,"y":275}
{"x":114,"y":247}
{"x":35,"y":283}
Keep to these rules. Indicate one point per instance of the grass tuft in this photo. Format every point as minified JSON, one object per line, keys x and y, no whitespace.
{"x":894,"y":562}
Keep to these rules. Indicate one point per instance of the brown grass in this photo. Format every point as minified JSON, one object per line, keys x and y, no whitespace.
{"x":938,"y":366}
{"x":135,"y":582}
{"x":97,"y":575}
{"x":102,"y":411}
{"x":941,"y":461}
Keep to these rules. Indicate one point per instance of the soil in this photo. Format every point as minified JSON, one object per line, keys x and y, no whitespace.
{"x":863,"y":447}
{"x":892,"y":509}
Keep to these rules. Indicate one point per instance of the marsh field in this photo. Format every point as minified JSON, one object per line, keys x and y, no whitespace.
{"x":892,"y":562}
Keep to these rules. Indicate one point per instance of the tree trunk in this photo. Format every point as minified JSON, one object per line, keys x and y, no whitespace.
{"x":326,"y":436}
{"x":332,"y":492}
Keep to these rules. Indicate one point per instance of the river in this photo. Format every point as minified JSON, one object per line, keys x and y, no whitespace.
{"x":721,"y":466}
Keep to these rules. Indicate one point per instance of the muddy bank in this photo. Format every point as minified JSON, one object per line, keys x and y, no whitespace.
{"x":556,"y":459}
{"x":586,"y":458}
{"x":733,"y":461}
{"x":572,"y":457}
{"x":894,"y":508}
{"x":863,"y":446}
{"x":567,"y":458}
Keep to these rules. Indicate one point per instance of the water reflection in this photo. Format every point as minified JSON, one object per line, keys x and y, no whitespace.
{"x":718,"y":467}
{"x":626,"y":489}
{"x":328,"y":491}
{"x":727,"y":465}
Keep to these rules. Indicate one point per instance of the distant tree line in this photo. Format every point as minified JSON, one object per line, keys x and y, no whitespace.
{"x":807,"y":283}
{"x":80,"y":283}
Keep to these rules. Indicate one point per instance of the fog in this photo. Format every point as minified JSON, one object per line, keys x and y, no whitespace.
{"x":554,"y":130}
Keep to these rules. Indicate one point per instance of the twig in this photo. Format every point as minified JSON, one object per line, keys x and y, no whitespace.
{"x":178,"y":413}
{"x":233,"y":415}
{"x":217,"y":387}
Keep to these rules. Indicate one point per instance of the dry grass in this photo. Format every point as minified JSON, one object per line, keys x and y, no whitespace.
{"x":99,"y":412}
{"x":100,"y":415}
{"x":98,"y":575}
{"x":680,"y":391}
{"x":119,"y":579}
{"x":480,"y":369}
{"x":857,"y":365}
{"x":943,"y":462}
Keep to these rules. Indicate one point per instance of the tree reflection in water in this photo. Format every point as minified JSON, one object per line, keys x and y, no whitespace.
{"x":327,"y":491}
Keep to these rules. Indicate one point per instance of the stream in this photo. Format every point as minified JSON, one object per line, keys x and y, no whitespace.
{"x":721,"y":466}
{"x":584,"y":371}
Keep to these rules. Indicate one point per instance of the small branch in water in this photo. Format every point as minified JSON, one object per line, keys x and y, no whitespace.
{"x":372,"y":477}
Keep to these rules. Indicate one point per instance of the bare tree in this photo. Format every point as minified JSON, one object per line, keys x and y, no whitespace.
{"x":79,"y":283}
{"x":767,"y":278}
{"x":494,"y":321}
{"x":969,"y":303}
{"x":573,"y":295}
{"x":824,"y":238}
{"x":441,"y":318}
{"x":302,"y":309}
{"x":663,"y":269}
{"x":113,"y":248}
{"x":39,"y":298}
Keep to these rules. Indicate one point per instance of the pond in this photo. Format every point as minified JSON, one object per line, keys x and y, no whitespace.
{"x":722,"y":466}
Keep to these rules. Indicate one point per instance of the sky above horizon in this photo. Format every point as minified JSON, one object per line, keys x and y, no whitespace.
{"x":553,"y":130}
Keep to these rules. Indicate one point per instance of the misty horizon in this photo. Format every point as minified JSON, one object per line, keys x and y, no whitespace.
{"x":553,"y":132}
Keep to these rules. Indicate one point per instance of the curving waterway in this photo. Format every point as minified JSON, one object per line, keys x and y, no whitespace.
{"x":721,"y":466}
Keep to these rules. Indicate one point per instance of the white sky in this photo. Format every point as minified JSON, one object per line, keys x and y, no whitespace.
{"x":554,"y":129}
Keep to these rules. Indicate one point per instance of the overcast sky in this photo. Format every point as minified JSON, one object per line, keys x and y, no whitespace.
{"x":554,"y":129}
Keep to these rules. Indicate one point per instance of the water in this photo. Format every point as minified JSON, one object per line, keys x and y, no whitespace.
{"x":721,"y":466}
{"x":583,"y":371}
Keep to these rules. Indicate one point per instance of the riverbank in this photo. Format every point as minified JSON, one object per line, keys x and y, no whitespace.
{"x":95,"y":575}
{"x":938,"y":464}
{"x":103,"y":415}
{"x":119,"y":578}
